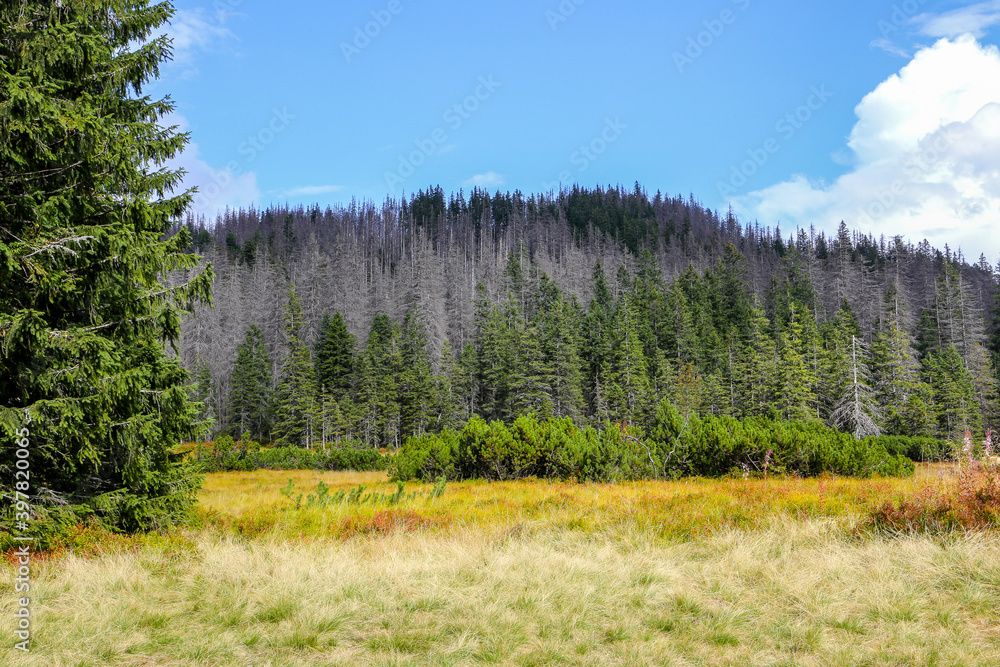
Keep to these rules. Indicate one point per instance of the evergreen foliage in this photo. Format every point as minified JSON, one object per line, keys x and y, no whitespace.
{"x":226,"y":455}
{"x":250,"y":392}
{"x":674,"y":446}
{"x":295,"y":412}
{"x":335,"y":355}
{"x":557,"y":316}
{"x":86,"y":205}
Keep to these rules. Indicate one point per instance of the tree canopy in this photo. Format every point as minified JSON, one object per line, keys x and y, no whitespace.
{"x":85,"y":307}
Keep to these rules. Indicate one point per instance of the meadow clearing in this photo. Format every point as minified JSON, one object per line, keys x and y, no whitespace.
{"x":695,"y":572}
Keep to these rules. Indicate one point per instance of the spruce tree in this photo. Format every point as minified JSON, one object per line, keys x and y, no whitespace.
{"x":296,"y":411}
{"x":835,"y":362}
{"x":335,"y":356}
{"x":954,"y":394}
{"x":994,"y":337}
{"x":201,"y":395}
{"x":794,"y":395}
{"x":596,"y":344}
{"x":449,"y":405}
{"x":559,"y":329}
{"x":729,"y":294}
{"x":465,"y":382}
{"x":495,"y":358}
{"x":894,"y":368}
{"x":86,"y":215}
{"x":250,"y":393}
{"x":626,"y":379}
{"x":379,"y":382}
{"x":680,"y":340}
{"x":531,"y":374}
{"x":756,"y":367}
{"x":416,"y":384}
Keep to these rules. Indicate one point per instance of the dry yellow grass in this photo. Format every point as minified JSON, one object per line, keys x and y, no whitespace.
{"x":512,"y":580}
{"x":250,"y":504}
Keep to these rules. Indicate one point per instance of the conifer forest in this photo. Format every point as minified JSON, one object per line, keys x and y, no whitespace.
{"x":580,"y":425}
{"x":375,"y":323}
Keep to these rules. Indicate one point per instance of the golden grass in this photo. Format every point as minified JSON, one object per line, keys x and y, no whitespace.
{"x":250,"y":504}
{"x":731,"y":572}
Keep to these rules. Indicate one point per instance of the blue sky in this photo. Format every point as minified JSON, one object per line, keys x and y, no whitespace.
{"x":883,"y":114}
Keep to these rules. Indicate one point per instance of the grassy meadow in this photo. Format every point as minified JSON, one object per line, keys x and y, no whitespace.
{"x":696,"y":572}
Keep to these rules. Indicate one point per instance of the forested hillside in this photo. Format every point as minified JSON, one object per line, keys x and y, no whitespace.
{"x":378,"y":322}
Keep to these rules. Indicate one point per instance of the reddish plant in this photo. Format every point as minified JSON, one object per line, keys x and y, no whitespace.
{"x":970,"y":502}
{"x":389,"y":521}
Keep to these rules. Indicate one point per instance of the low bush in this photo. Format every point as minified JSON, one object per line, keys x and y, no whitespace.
{"x":674,"y":447}
{"x":915,"y":448}
{"x":226,"y":455}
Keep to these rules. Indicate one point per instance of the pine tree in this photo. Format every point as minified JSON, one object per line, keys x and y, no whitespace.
{"x":560,"y":341}
{"x":380,"y":380}
{"x":335,"y":354}
{"x":86,"y":216}
{"x":296,"y":410}
{"x":449,"y":400}
{"x":250,"y":393}
{"x":416,"y":384}
{"x":954,"y":394}
{"x":626,"y":379}
{"x":794,"y":395}
{"x":894,"y":368}
{"x":201,"y":396}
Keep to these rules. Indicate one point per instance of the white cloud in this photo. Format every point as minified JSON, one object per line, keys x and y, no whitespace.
{"x":888,"y":46}
{"x":217,"y":188}
{"x":974,"y":19}
{"x":490,"y":179}
{"x":310,"y":190}
{"x":926,"y":151}
{"x":192,"y":31}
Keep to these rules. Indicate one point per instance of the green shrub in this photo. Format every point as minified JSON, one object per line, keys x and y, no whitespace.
{"x":675,"y":447}
{"x":915,"y":448}
{"x":427,"y":457}
{"x":225,"y":455}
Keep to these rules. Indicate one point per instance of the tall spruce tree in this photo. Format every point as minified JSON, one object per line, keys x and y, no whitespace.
{"x":86,"y":205}
{"x":250,"y":387}
{"x":201,"y":394}
{"x":794,"y":395}
{"x":894,"y":367}
{"x":756,"y":367}
{"x":335,"y":357}
{"x":954,"y":393}
{"x":626,"y":378}
{"x":559,"y":329}
{"x":448,"y":406}
{"x":416,"y":384}
{"x":836,"y":360}
{"x":380,"y":378}
{"x":994,"y":336}
{"x":297,"y":406}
